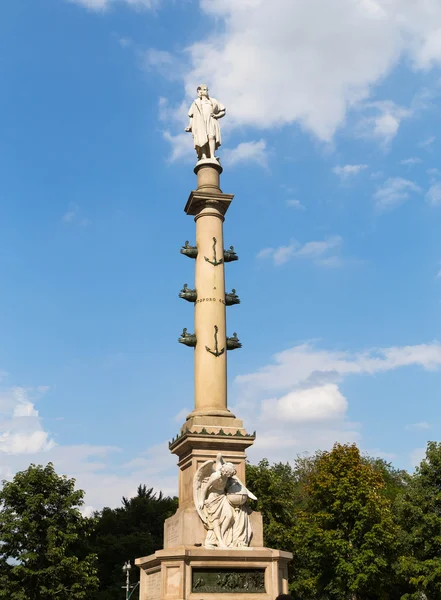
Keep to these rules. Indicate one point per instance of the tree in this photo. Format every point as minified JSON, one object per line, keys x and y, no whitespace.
{"x":133,"y":530}
{"x":333,"y":511}
{"x":419,"y":512}
{"x":277,"y":489}
{"x":346,"y":540}
{"x":42,"y":533}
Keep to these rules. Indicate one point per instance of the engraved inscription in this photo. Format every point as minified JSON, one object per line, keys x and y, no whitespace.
{"x":210,"y":300}
{"x":228,"y":581}
{"x":173,"y":534}
{"x":154,"y":586}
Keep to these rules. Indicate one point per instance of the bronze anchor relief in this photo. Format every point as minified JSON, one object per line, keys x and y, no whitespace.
{"x":214,"y":262}
{"x":216,"y":352}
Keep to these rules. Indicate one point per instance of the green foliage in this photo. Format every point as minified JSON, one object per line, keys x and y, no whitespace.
{"x":333,"y":511}
{"x":133,"y":530}
{"x":419,"y":512}
{"x":276,"y":489}
{"x":42,"y":554}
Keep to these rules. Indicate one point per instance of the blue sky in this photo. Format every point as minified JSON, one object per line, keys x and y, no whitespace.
{"x":331,"y":145}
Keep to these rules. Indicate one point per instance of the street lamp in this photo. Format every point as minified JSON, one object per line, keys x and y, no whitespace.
{"x":126,"y":569}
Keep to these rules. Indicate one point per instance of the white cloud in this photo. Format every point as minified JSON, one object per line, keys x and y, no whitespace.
{"x":73,"y":215}
{"x":433,"y":195}
{"x":393,"y":192}
{"x":99,"y":5}
{"x":311,"y":250}
{"x":311,"y":404}
{"x":322,"y":67}
{"x":158,"y":58}
{"x":181,"y":146}
{"x":418,"y":426}
{"x":21,"y":431}
{"x":68,"y":216}
{"x":348,"y":170}
{"x":166,"y":63}
{"x":23,"y":439}
{"x":246,"y":152}
{"x":427,"y":142}
{"x":125,"y":42}
{"x":384,"y":124}
{"x":296,"y":404}
{"x":182,"y":415}
{"x":411,"y":161}
{"x":25,"y":442}
{"x":416,"y":456}
{"x":295,"y":204}
{"x":306,"y":364}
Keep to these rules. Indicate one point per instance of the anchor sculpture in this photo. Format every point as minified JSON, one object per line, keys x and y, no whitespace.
{"x":216,"y":352}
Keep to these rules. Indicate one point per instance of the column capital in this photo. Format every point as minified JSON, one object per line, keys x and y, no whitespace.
{"x":198,"y":200}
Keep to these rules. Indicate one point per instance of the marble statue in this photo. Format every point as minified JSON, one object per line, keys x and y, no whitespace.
{"x":204,"y":114}
{"x":221,"y":500}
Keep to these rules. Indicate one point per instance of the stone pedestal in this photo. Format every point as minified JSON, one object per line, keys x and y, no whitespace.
{"x":189,"y":573}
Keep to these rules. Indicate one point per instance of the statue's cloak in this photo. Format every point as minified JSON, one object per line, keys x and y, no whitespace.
{"x":199,"y":127}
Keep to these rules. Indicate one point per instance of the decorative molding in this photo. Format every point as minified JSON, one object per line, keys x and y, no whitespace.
{"x":221,"y":433}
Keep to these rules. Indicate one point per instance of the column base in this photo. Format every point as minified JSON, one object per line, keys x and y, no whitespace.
{"x":190,"y":573}
{"x":212,"y":421}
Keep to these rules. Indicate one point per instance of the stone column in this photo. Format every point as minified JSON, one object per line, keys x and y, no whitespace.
{"x":208,"y":205}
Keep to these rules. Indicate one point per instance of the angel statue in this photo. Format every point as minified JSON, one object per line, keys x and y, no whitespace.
{"x":221,"y":500}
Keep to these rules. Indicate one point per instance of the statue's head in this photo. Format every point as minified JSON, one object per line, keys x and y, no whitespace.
{"x":202,"y":90}
{"x":228,"y":469}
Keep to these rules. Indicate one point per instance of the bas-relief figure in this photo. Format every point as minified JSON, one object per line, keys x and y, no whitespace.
{"x":221,"y":500}
{"x":204,"y":114}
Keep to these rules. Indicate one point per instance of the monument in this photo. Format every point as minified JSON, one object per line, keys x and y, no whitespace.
{"x":213,"y":545}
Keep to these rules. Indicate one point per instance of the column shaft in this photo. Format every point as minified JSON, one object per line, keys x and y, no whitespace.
{"x":210,"y":317}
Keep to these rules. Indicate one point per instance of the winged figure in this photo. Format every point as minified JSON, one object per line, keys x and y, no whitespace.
{"x":221,"y":500}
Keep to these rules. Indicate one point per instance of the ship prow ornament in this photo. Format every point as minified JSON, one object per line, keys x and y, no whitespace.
{"x":213,"y":544}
